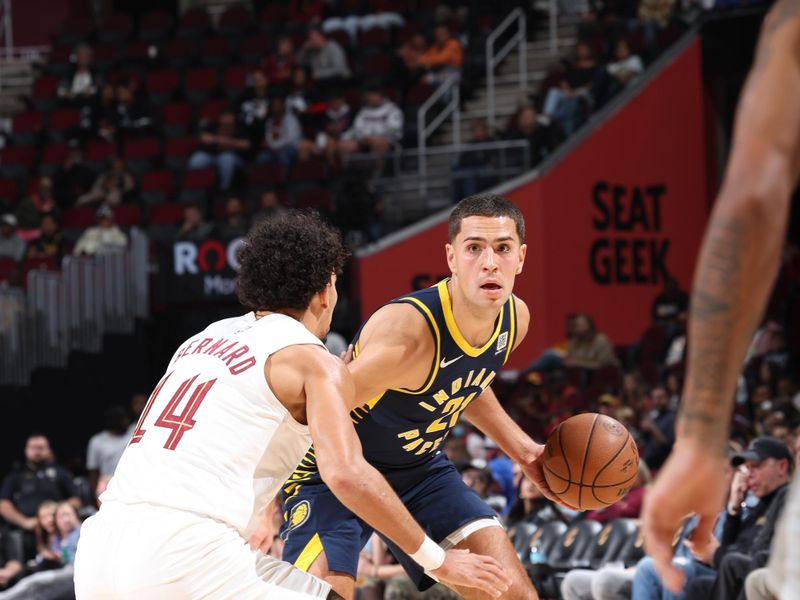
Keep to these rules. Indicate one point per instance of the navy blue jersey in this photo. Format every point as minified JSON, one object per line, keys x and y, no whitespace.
{"x":404,"y":429}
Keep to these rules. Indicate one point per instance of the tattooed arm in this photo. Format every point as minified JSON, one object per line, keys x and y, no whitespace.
{"x":741,"y":250}
{"x":735,"y":272}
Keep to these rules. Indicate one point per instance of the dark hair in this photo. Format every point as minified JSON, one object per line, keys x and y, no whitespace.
{"x":484,"y":205}
{"x":286,"y":260}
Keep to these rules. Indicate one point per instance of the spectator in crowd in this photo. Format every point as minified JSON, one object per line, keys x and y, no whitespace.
{"x":444,"y":58}
{"x":50,"y":241}
{"x":658,"y":429}
{"x":622,"y":70}
{"x":56,"y":583}
{"x":132,"y":114}
{"x":477,"y":475}
{"x":564,"y":102}
{"x":279,"y":65}
{"x":73,"y":178}
{"x":542,"y":134}
{"x":473,"y":169}
{"x":531,"y":506}
{"x":269,"y":206}
{"x":301,"y":92}
{"x":281,"y":135}
{"x":502,"y":470}
{"x":235,"y":223}
{"x":553,"y":357}
{"x":588,"y":348}
{"x":82,"y":83}
{"x":746,"y":540}
{"x":410,"y":55}
{"x":254,"y":106}
{"x":377,"y":126}
{"x":99,"y":119}
{"x":45,"y":532}
{"x":194,"y":227}
{"x":33,"y":482}
{"x":106,"y":447}
{"x":221,"y":144}
{"x":337,"y":119}
{"x":102,"y":238}
{"x":325,"y":58}
{"x":39,"y":202}
{"x":11,"y":245}
{"x":111,"y":187}
{"x":10,"y":562}
{"x":654,"y":16}
{"x":306,"y":11}
{"x":671,"y":304}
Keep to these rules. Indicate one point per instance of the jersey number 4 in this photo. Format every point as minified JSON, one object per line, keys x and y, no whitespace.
{"x":170,"y":418}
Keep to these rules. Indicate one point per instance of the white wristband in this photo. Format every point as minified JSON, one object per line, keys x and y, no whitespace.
{"x":429,"y":555}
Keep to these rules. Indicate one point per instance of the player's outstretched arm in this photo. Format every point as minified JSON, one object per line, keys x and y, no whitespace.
{"x":328,"y":390}
{"x":735,"y":272}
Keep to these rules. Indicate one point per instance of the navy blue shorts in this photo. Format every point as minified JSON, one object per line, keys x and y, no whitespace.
{"x":434,"y":494}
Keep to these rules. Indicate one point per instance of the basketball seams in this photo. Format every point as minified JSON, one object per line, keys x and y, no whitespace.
{"x":613,"y":458}
{"x":585,"y":456}
{"x":588,"y":485}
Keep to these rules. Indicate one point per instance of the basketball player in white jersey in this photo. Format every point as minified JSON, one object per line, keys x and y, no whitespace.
{"x":238,"y":407}
{"x":735,"y":273}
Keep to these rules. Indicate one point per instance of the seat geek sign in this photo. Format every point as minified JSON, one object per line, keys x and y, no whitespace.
{"x":199,"y":271}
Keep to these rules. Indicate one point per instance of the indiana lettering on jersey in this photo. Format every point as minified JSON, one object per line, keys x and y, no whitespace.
{"x":232,"y":353}
{"x":448,"y":404}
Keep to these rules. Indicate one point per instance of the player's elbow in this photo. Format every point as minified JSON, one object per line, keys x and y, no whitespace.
{"x":759,"y":190}
{"x":341,"y":477}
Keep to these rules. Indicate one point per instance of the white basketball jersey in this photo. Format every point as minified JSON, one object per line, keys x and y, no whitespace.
{"x":213,"y":438}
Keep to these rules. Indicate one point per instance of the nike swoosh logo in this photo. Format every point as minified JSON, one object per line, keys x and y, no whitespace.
{"x":447,"y":363}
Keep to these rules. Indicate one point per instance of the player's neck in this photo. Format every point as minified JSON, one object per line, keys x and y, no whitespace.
{"x":307,"y":317}
{"x":476,"y":324}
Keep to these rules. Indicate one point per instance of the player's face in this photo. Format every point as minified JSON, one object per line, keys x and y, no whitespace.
{"x":485,"y":258}
{"x":331,"y":298}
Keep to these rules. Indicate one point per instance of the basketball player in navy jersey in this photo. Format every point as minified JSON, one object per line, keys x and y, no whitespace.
{"x":419,"y":362}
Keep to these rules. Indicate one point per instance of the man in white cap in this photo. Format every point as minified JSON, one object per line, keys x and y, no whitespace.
{"x":106,"y":234}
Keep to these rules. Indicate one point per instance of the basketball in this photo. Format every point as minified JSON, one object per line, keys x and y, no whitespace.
{"x":590,"y":461}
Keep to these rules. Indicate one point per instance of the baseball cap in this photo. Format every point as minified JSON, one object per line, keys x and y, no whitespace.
{"x":761,"y":448}
{"x":609,"y":399}
{"x":104,"y":212}
{"x":9,"y":219}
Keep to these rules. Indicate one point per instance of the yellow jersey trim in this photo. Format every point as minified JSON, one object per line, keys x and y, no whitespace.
{"x":309,"y":554}
{"x":438,"y":343}
{"x":512,"y":336}
{"x":452,"y":327}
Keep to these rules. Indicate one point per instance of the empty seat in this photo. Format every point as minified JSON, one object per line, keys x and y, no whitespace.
{"x":176,"y":117}
{"x":79,"y":217}
{"x":235,"y":20}
{"x":97,"y":153}
{"x":44,"y":92}
{"x":170,"y":213}
{"x":179,"y":51}
{"x":155,"y":25}
{"x":309,"y":170}
{"x":61,"y":124}
{"x":115,"y":28}
{"x":156,"y":186}
{"x":25,"y":126}
{"x":16,"y":161}
{"x":234,"y":81}
{"x":53,"y":156}
{"x":161,"y":85}
{"x":178,"y":150}
{"x":128,"y":215}
{"x":199,"y":83}
{"x":194,"y":23}
{"x":139,"y":153}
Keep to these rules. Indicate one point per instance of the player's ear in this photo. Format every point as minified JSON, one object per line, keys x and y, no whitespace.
{"x":523,"y":250}
{"x":450,"y":252}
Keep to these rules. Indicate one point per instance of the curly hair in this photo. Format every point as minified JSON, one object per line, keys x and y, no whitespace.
{"x":484,"y":205}
{"x":286,"y":260}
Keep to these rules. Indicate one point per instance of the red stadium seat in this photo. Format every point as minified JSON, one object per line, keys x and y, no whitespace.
{"x":194,"y":23}
{"x":61,"y":122}
{"x":139,"y":153}
{"x":211,"y":110}
{"x":274,"y":14}
{"x":254,"y":48}
{"x":53,"y":156}
{"x":137,"y":51}
{"x":199,"y":179}
{"x":176,"y":118}
{"x":154,"y":25}
{"x":374,"y":37}
{"x":16,"y":161}
{"x":166,"y":214}
{"x":105,"y":54}
{"x":265,"y":174}
{"x":377,"y":65}
{"x":418,"y":94}
{"x":309,"y":170}
{"x":235,"y":80}
{"x":79,"y":217}
{"x":115,"y":28}
{"x":156,"y":186}
{"x":199,"y":83}
{"x":161,"y":85}
{"x":319,"y":198}
{"x":97,"y":153}
{"x":25,"y":126}
{"x":45,"y":87}
{"x":76,"y":29}
{"x":235,"y":19}
{"x":215,"y":51}
{"x":178,"y":150}
{"x":8,"y":189}
{"x":179,"y":51}
{"x":128,"y":215}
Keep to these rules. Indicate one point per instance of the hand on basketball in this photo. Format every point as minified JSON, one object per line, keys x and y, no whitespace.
{"x":692,"y":480}
{"x":535,"y":472}
{"x":462,"y":568}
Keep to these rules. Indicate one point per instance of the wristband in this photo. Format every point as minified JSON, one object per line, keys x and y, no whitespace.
{"x":429,"y":556}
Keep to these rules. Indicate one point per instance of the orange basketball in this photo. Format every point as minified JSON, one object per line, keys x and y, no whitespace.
{"x":590,"y":461}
